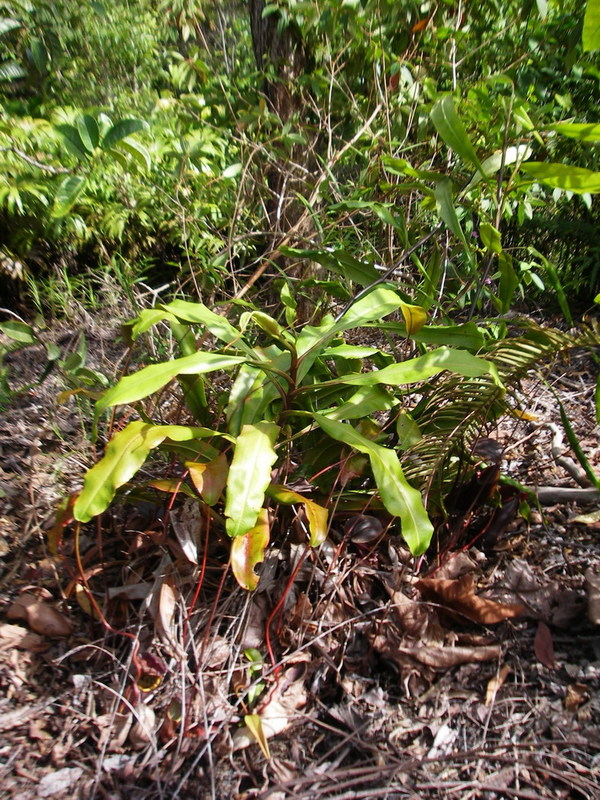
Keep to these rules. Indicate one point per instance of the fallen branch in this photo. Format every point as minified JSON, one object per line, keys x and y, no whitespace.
{"x":553,"y":495}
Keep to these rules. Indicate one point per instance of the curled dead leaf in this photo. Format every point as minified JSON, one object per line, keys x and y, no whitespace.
{"x":459,"y":596}
{"x":21,"y":638}
{"x":142,"y":730}
{"x":40,"y":616}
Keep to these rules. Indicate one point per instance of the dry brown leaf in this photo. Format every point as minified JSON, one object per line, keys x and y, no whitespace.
{"x":456,"y":565}
{"x":543,"y":646}
{"x":40,"y":616}
{"x":436,"y":657}
{"x":142,"y":730}
{"x":496,"y":683}
{"x":413,"y":617}
{"x":592,"y":581}
{"x":21,"y":638}
{"x":459,"y":596}
{"x":577,"y":693}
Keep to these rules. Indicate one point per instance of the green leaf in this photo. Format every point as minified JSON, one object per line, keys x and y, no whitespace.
{"x":591,"y":26}
{"x":39,"y":55}
{"x":8,"y":24}
{"x":493,"y":163}
{"x":338,"y":261}
{"x":218,"y":325}
{"x":398,"y":496}
{"x":121,"y":129}
{"x":509,"y":281}
{"x":249,"y":476}
{"x":424,"y":367}
{"x":562,"y":176}
{"x":248,"y":550}
{"x":137,"y":151}
{"x":490,"y":237}
{"x":414,"y":317}
{"x":582,"y":131}
{"x":87,"y":127}
{"x":73,"y":141}
{"x":232,"y":171}
{"x":18,"y":331}
{"x":554,"y":278}
{"x":125,"y":454}
{"x":453,"y":132}
{"x":407,"y":429}
{"x":445,"y":205}
{"x":150,"y":379}
{"x":67,"y":195}
{"x":316,"y":515}
{"x":364,"y":402}
{"x":12,"y":71}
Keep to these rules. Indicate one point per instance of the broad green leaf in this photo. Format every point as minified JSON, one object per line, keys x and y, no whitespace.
{"x":150,"y":379}
{"x":349,"y":351}
{"x":466,"y":336}
{"x":453,"y":132}
{"x":364,"y":402}
{"x":249,"y":476}
{"x":197,"y":312}
{"x":583,"y":131}
{"x":67,"y":195}
{"x":414,"y":317}
{"x":137,"y":151}
{"x":121,"y":129}
{"x":87,"y":127}
{"x":407,"y":429}
{"x":39,"y":54}
{"x":125,"y":454}
{"x":562,"y":176}
{"x":398,"y":496}
{"x":490,"y":237}
{"x":316,"y":515}
{"x":73,"y":142}
{"x":18,"y":331}
{"x":424,"y":367}
{"x":339,"y":261}
{"x":248,"y":550}
{"x":146,"y":320}
{"x":591,"y":26}
{"x":209,"y":478}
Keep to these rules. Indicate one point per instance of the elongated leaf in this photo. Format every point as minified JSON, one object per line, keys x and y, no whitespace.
{"x":9,"y":24}
{"x":121,"y":129}
{"x":491,"y":237}
{"x":249,"y":476}
{"x":583,"y":131}
{"x":424,"y":367}
{"x":73,"y":142}
{"x":150,"y":379}
{"x":253,"y":721}
{"x":197,"y":312}
{"x":12,"y":71}
{"x":407,"y":429}
{"x":398,"y":496}
{"x":445,"y":205}
{"x":67,"y":195}
{"x":591,"y":26}
{"x":364,"y":402}
{"x":137,"y":151}
{"x":125,"y":454}
{"x":87,"y":127}
{"x":338,"y":261}
{"x":467,"y":336}
{"x":453,"y":132}
{"x":316,"y":515}
{"x":249,"y":550}
{"x":493,"y":163}
{"x":562,"y":176}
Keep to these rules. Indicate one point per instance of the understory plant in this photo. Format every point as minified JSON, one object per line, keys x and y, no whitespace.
{"x":294,"y":418}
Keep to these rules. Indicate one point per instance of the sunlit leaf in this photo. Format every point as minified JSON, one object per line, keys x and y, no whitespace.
{"x":148,"y":380}
{"x":449,"y":126}
{"x":591,"y":26}
{"x":121,"y":129}
{"x":209,"y":478}
{"x":414,"y":317}
{"x":398,"y":496}
{"x":249,"y":476}
{"x":407,"y":429}
{"x":88,"y":130}
{"x":254,"y":725}
{"x":563,"y":176}
{"x":249,"y":550}
{"x":583,"y":131}
{"x":125,"y":454}
{"x":67,"y":195}
{"x":316,"y":515}
{"x":18,"y":331}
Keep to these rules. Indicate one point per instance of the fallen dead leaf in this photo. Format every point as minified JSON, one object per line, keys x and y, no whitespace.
{"x":21,"y":638}
{"x":543,"y":646}
{"x":40,"y":616}
{"x":436,"y":657}
{"x":496,"y":683}
{"x":577,"y":693}
{"x":142,"y":730}
{"x":459,"y":596}
{"x":61,"y":782}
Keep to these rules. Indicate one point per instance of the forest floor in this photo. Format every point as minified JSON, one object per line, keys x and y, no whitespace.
{"x":473,"y":674}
